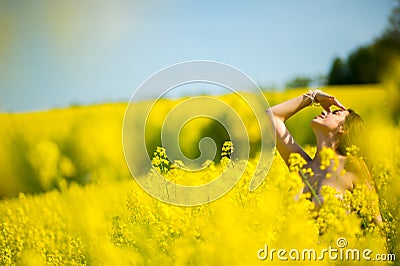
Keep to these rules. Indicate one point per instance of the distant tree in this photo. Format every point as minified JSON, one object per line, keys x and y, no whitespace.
{"x":392,"y":32}
{"x":299,"y":82}
{"x":362,"y":66}
{"x":391,"y":40}
{"x":368,"y":64}
{"x":339,"y":72}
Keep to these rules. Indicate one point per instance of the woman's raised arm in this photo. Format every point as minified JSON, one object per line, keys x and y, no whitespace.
{"x":278,"y":115}
{"x":283,"y":111}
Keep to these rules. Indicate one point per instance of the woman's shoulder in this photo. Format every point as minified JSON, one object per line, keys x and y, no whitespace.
{"x":348,"y":179}
{"x":358,"y":171}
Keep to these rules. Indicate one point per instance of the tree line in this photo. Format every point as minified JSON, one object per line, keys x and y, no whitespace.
{"x":366,"y":64}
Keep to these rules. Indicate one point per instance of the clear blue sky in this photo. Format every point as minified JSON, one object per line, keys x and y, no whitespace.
{"x":55,"y":53}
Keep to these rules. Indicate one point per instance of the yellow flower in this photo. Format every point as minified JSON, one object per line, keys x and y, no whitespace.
{"x":227,"y":149}
{"x":296,"y":162}
{"x":328,"y":159}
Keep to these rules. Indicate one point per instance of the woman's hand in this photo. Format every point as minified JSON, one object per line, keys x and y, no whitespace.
{"x":326,"y":101}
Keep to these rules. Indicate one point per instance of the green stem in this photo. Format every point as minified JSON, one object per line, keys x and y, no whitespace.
{"x":165,"y":180}
{"x":240,"y":196}
{"x":310,"y":188}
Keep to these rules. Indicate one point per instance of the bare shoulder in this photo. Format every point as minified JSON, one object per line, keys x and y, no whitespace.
{"x":351,"y":177}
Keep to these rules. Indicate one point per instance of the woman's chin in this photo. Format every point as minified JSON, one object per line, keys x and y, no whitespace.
{"x":315,"y":123}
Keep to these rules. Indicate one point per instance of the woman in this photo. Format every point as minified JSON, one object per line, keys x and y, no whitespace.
{"x":338,"y":130}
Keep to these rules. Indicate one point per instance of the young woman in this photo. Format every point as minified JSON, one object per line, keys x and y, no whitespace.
{"x":338,"y":130}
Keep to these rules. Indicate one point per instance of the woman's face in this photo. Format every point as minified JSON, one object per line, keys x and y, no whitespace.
{"x":330,"y":121}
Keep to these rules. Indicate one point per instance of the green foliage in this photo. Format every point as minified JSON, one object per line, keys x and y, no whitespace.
{"x":370,"y":63}
{"x":393,"y":30}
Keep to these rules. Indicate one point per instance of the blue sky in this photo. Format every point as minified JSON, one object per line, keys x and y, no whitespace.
{"x":57,"y":53}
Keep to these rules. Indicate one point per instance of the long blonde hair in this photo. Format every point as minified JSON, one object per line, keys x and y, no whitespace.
{"x":354,"y":133}
{"x":355,"y":136}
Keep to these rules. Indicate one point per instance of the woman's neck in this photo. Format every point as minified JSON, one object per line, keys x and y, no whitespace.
{"x":325,"y":142}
